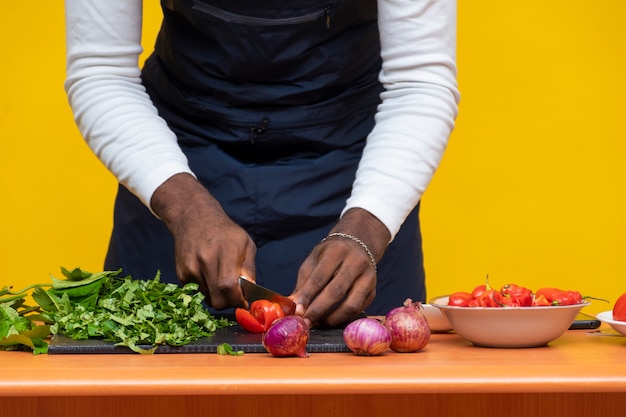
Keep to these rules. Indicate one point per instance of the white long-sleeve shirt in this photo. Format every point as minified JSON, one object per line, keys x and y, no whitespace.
{"x":413,"y":123}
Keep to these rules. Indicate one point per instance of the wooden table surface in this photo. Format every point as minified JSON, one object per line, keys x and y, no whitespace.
{"x":579,"y":372}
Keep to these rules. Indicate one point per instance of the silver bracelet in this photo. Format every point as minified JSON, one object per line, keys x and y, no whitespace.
{"x":357,"y":240}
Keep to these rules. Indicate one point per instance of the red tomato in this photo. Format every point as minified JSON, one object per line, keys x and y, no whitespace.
{"x":260,"y":317}
{"x":247,"y":321}
{"x":619,"y":309}
{"x":266,"y":312}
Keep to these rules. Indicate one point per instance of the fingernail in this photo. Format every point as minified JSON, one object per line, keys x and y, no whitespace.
{"x":299,"y":309}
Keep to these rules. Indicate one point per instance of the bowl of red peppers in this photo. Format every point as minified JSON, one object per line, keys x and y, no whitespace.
{"x":511,"y":316}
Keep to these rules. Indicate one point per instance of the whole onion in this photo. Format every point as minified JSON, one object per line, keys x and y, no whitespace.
{"x":408,"y":327}
{"x":366,"y":337}
{"x":287,"y":336}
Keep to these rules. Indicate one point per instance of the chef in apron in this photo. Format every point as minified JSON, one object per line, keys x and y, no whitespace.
{"x":271,"y":105}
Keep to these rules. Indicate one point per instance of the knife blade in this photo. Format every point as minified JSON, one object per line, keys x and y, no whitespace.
{"x":253,"y":291}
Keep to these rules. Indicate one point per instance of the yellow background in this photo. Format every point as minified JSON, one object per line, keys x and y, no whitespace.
{"x":531,"y":189}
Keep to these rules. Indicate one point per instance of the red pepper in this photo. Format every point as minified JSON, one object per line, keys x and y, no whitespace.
{"x":479,"y":291}
{"x":575,"y":296}
{"x":558,"y":297}
{"x":506,"y":301}
{"x":485,"y":296}
{"x":540,"y":300}
{"x":460,"y":299}
{"x":260,"y":317}
{"x":515,"y":295}
{"x":491,"y":298}
{"x":475,"y":302}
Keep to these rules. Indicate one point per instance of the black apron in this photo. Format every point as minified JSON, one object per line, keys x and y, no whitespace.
{"x":271,"y":103}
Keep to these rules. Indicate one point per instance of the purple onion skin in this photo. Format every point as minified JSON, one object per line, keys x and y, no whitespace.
{"x":287,"y":336}
{"x":408,"y":327}
{"x":367,"y":337}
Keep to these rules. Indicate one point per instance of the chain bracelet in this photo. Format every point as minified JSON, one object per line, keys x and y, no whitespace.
{"x":357,"y":240}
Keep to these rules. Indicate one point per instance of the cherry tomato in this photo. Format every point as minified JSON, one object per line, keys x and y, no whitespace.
{"x":260,"y":316}
{"x":619,"y":309}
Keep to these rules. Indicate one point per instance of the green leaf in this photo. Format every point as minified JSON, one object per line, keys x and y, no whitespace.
{"x":61,"y":284}
{"x":227,"y":349}
{"x":30,"y":338}
{"x":39,"y":346}
{"x":75,"y":274}
{"x":44,"y":300}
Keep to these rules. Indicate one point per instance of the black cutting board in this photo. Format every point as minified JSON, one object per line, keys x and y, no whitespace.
{"x":320,"y":340}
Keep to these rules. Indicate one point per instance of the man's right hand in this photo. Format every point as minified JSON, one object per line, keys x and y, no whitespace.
{"x":210,"y":248}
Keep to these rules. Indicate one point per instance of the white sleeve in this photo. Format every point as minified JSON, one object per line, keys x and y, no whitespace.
{"x":110,"y":105}
{"x":418,"y":109}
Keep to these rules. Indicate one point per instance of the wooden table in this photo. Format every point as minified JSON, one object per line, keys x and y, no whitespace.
{"x":576,"y":375}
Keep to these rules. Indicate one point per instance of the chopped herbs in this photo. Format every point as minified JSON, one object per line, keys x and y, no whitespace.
{"x":141,"y":315}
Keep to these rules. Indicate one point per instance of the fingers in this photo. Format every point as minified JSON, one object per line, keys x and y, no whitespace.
{"x":216,"y":264}
{"x":222,"y":271}
{"x":210,"y":248}
{"x":323,"y":314}
{"x":335,"y":283}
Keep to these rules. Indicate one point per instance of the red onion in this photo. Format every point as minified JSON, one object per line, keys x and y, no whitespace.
{"x":287,"y":336}
{"x":408,"y":327}
{"x":367,"y":337}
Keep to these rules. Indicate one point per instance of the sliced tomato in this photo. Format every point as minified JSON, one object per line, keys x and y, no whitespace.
{"x":260,"y":317}
{"x":248,"y":321}
{"x":266,"y":312}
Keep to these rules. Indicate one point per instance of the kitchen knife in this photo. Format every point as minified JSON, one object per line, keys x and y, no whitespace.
{"x":253,"y":292}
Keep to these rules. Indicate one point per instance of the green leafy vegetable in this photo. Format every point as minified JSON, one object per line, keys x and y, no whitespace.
{"x":34,"y":339}
{"x":129,"y":312}
{"x":21,"y":326}
{"x":227,"y":349}
{"x":141,"y":315}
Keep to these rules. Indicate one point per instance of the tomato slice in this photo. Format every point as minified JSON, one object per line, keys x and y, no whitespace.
{"x":248,"y":321}
{"x":260,"y":317}
{"x":266,"y":312}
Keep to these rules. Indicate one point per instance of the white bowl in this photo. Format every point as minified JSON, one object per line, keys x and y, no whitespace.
{"x":607,"y":317}
{"x":437,"y":320}
{"x":509,"y":327}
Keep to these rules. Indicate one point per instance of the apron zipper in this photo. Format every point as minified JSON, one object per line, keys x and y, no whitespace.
{"x":261,"y":21}
{"x":258,"y":129}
